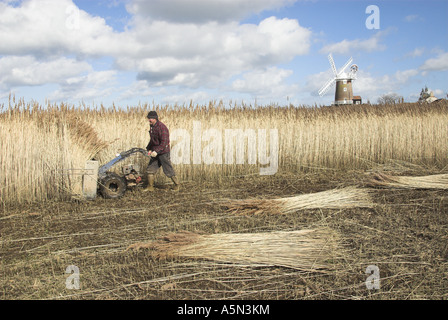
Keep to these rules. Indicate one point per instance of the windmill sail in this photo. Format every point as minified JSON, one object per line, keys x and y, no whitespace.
{"x":325,"y":88}
{"x":333,"y":66}
{"x":345,"y":67}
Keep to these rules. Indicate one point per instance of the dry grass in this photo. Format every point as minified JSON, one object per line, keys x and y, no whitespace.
{"x":309,"y":250}
{"x":349,"y":197}
{"x":437,"y":181}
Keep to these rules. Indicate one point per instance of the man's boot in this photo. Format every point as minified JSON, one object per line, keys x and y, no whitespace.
{"x":176,"y":186}
{"x":150,"y":186}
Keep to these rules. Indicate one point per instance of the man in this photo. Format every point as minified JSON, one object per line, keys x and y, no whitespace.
{"x":159,"y":150}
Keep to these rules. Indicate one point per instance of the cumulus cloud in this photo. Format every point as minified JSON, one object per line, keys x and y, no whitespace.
{"x":374,"y":86}
{"x":28,"y":71}
{"x":417,"y":52}
{"x":53,"y":27}
{"x":137,"y":88}
{"x":439,"y":63}
{"x":268,"y":82}
{"x":91,"y":86}
{"x":200,"y":11}
{"x":189,"y":44}
{"x":348,"y":46}
{"x":402,"y":77}
{"x":185,"y":97}
{"x":208,"y":54}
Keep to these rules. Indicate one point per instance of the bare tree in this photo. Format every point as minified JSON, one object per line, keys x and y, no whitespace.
{"x":390,"y":98}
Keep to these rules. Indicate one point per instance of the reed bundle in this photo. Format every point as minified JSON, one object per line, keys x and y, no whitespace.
{"x":311,"y":249}
{"x":349,"y":197}
{"x":437,"y":181}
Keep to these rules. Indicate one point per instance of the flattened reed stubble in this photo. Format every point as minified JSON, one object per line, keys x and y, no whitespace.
{"x":309,"y":249}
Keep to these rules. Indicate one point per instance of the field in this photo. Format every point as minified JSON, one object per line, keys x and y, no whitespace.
{"x":45,"y":230}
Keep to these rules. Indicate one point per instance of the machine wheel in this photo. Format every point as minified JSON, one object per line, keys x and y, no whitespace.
{"x":113,"y":186}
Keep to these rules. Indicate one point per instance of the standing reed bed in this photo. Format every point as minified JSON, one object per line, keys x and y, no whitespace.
{"x":42,"y":146}
{"x":43,"y":153}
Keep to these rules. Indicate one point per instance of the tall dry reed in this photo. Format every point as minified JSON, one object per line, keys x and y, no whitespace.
{"x":43,"y":147}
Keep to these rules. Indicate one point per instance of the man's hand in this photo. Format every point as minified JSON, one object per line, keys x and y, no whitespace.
{"x":153,"y":154}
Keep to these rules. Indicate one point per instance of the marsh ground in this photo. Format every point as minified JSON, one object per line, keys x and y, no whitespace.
{"x":405,"y":235}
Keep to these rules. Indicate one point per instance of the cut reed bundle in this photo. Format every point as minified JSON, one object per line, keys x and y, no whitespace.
{"x":437,"y":181}
{"x":349,"y":197}
{"x":303,"y":249}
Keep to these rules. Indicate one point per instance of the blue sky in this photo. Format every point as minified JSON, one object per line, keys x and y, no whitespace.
{"x":128,"y":52}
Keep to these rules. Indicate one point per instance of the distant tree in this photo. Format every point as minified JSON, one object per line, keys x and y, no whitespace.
{"x":424,"y":94}
{"x":390,"y":98}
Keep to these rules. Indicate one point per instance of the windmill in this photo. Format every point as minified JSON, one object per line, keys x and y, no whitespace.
{"x":344,"y":90}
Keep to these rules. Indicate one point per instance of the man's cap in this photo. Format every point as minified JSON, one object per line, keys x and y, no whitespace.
{"x":152,"y":115}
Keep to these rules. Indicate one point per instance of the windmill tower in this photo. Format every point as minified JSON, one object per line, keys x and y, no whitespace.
{"x":343,"y":80}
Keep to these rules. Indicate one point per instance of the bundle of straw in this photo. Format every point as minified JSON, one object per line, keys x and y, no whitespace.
{"x":303,"y":249}
{"x":349,"y":197}
{"x":438,"y":181}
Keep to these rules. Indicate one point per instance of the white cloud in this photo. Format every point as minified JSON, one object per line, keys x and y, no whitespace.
{"x":412,"y":18}
{"x":349,"y":46}
{"x":439,"y":63}
{"x":136,"y":89}
{"x":53,"y":27}
{"x":89,"y":87}
{"x":184,"y":98}
{"x":200,"y":11}
{"x":266,"y":82}
{"x":437,"y":92}
{"x":417,"y":52}
{"x":208,"y":54}
{"x":28,"y":71}
{"x":402,"y":77}
{"x":204,"y":53}
{"x":372,"y":87}
{"x":366,"y":83}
